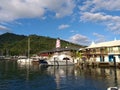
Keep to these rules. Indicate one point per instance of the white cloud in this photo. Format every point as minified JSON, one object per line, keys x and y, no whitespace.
{"x":99,"y":17}
{"x":97,"y":5}
{"x":73,"y":31}
{"x":63,"y":26}
{"x":11,"y":10}
{"x":97,"y":11}
{"x":3,"y":28}
{"x":111,"y":22}
{"x":99,"y":37}
{"x":80,"y":39}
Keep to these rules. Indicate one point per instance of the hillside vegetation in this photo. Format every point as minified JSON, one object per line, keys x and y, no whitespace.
{"x":12,"y":44}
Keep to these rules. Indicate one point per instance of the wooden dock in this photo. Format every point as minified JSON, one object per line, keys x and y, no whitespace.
{"x":99,"y":64}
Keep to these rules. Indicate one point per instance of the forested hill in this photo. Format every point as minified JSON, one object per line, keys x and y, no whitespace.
{"x":12,"y":44}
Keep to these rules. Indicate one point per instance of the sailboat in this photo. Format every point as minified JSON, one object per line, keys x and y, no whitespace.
{"x":24,"y":59}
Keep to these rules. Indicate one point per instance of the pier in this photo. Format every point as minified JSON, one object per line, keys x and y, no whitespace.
{"x":98,"y":64}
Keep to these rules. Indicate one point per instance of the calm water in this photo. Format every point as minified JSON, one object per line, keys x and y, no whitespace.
{"x":14,"y":76}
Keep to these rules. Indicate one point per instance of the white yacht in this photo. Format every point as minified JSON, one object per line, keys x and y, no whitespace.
{"x":60,"y":59}
{"x":113,"y":88}
{"x":24,"y":60}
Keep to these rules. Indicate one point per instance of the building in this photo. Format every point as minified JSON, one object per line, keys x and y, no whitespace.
{"x":103,"y":52}
{"x":66,"y":51}
{"x":49,"y":53}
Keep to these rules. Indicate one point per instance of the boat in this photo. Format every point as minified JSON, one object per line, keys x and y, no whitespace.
{"x":7,"y":58}
{"x":2,"y":57}
{"x":60,"y":59}
{"x":25,"y":59}
{"x":38,"y":60}
{"x":113,"y":88}
{"x":35,"y":59}
{"x":43,"y":62}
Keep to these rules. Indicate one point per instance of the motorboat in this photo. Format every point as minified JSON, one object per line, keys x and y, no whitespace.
{"x":60,"y":59}
{"x":24,"y":60}
{"x":113,"y":88}
{"x":35,"y":59}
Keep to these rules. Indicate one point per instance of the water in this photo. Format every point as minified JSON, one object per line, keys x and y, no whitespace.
{"x":15,"y":76}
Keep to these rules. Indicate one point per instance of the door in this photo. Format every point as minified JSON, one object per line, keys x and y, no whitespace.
{"x":110,"y":58}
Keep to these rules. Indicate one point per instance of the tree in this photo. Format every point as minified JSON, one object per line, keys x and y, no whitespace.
{"x":78,"y":56}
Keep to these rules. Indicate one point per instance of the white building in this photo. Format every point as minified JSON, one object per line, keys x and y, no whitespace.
{"x":104,"y":51}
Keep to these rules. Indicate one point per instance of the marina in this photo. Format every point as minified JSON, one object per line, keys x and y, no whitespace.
{"x":60,"y":45}
{"x":95,"y":67}
{"x":14,"y":76}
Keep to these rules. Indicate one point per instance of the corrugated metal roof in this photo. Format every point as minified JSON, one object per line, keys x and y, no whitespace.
{"x":105,"y":44}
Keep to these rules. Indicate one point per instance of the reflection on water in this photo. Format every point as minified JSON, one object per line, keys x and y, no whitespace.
{"x":14,"y":76}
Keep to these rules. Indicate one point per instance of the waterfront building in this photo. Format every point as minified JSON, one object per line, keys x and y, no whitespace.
{"x":103,"y":52}
{"x":66,"y":51}
{"x":58,"y":49}
{"x":59,"y":56}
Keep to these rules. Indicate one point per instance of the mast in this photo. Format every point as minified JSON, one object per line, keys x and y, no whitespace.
{"x":28,"y":66}
{"x":28,"y":47}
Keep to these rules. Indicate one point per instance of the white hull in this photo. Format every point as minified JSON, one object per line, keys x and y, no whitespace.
{"x":60,"y":59}
{"x":57,"y":63}
{"x":113,"y":88}
{"x":24,"y":61}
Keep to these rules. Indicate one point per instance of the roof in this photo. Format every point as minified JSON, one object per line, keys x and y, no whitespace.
{"x":105,"y":44}
{"x":59,"y":50}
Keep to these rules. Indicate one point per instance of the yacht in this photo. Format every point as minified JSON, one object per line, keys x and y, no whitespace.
{"x":24,"y":60}
{"x":113,"y":88}
{"x":60,"y":59}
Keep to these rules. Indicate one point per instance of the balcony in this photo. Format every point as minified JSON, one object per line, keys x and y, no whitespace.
{"x":114,"y":52}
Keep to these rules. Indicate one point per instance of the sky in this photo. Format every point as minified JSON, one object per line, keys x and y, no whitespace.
{"x":77,"y":21}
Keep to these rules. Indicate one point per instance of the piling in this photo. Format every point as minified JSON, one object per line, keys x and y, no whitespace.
{"x":114,"y":60}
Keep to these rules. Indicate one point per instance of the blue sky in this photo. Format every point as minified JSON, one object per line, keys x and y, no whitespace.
{"x":77,"y":21}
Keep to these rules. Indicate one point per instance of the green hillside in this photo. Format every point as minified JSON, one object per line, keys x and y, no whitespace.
{"x":12,"y":44}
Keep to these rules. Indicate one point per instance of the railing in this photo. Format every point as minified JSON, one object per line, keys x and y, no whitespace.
{"x":103,"y":52}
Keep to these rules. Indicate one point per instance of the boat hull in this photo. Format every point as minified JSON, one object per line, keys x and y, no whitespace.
{"x":57,"y":63}
{"x":60,"y":59}
{"x":24,"y":61}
